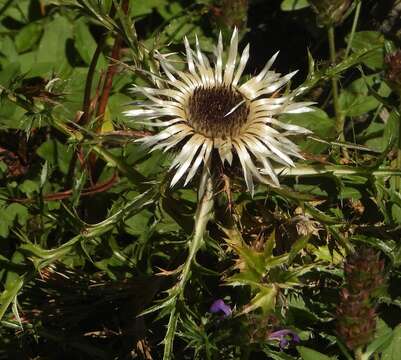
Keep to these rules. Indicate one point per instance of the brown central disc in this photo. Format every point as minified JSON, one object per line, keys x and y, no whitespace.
{"x":217,"y":112}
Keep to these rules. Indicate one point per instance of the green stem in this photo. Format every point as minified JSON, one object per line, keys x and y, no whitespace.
{"x":169,"y":338}
{"x":338,"y":170}
{"x":202,"y":216}
{"x":397,"y":180}
{"x":358,"y":354}
{"x":353,"y":29}
{"x":334,"y":85}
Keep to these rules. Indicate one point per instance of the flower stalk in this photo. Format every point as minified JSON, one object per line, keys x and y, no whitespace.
{"x":202,"y":217}
{"x":353,"y":29}
{"x":334,"y":85}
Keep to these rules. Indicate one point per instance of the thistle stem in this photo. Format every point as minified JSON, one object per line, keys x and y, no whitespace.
{"x":334,"y":85}
{"x":202,"y":217}
{"x":111,"y":71}
{"x":353,"y":29}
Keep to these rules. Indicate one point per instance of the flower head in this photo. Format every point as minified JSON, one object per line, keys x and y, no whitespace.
{"x":356,"y":314}
{"x":285,"y":337}
{"x":208,"y":108}
{"x":393,"y":70}
{"x":220,"y":306}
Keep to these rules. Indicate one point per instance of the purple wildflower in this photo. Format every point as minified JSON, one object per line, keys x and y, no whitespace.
{"x":285,"y":337}
{"x":220,"y":306}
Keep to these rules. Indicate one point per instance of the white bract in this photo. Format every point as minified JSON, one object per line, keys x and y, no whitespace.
{"x":207,"y":108}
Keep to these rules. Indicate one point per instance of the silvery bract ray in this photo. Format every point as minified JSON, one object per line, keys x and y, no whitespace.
{"x":208,"y":108}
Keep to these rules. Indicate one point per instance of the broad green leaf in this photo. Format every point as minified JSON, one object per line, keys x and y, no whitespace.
{"x":355,"y":101}
{"x":139,"y":223}
{"x":154,"y":164}
{"x":29,"y":187}
{"x":393,"y":350}
{"x":8,"y":53}
{"x":56,"y":153}
{"x":317,"y":121}
{"x":384,"y":337}
{"x":84,"y":42}
{"x":290,"y":5}
{"x":356,"y":104}
{"x":19,"y":212}
{"x":9,"y":214}
{"x":7,"y":76}
{"x":348,"y":192}
{"x":141,"y":8}
{"x":370,"y":40}
{"x":52,"y":47}
{"x":310,"y":354}
{"x":28,"y":36}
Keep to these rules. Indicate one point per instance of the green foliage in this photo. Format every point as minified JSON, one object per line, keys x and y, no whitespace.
{"x":290,"y":5}
{"x":102,"y":259}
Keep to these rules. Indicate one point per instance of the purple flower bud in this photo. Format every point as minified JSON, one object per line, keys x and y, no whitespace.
{"x":220,"y":306}
{"x":285,"y":336}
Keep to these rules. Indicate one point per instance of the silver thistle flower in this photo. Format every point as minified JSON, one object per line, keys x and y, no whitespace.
{"x":208,"y":107}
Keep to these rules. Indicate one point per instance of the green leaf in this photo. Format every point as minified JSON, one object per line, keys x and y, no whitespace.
{"x":348,"y":192}
{"x":56,"y":154}
{"x":29,"y":187}
{"x":290,"y":5}
{"x":9,"y":52}
{"x":310,"y":354}
{"x":19,"y":212}
{"x":52,"y":47}
{"x":84,"y":42}
{"x":7,"y":76}
{"x":356,"y":104}
{"x":9,"y":214}
{"x":317,"y":121}
{"x":356,"y":101}
{"x":264,"y":299}
{"x":141,"y":8}
{"x":139,"y":223}
{"x":270,"y":245}
{"x":297,"y":247}
{"x":373,"y":41}
{"x":393,"y":351}
{"x":28,"y":36}
{"x":383,"y":338}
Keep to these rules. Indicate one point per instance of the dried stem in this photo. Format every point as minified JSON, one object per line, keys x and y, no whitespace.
{"x":104,"y":97}
{"x":102,"y":187}
{"x":111,"y":71}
